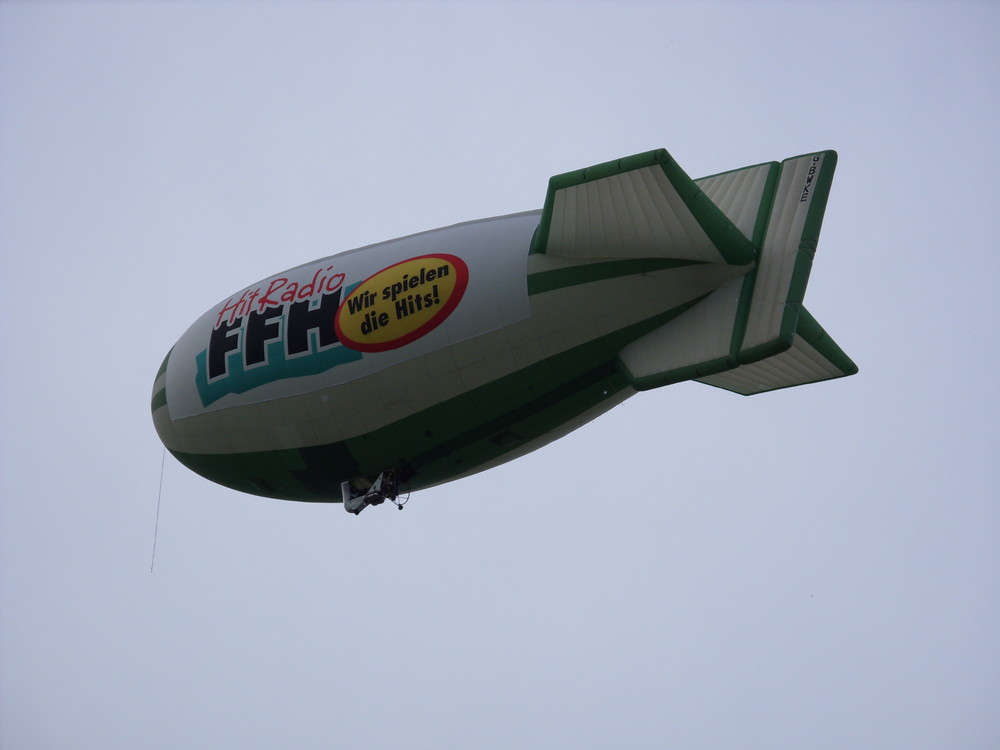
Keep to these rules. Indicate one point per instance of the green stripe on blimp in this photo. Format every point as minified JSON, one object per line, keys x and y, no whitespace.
{"x":547,"y":281}
{"x":159,"y":399}
{"x":451,"y":438}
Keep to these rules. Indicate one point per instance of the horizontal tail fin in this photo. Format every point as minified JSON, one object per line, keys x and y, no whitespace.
{"x":753,"y":334}
{"x":643,"y":206}
{"x":812,"y":357}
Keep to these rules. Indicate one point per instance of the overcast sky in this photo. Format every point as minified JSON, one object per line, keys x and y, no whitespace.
{"x":811,"y":568}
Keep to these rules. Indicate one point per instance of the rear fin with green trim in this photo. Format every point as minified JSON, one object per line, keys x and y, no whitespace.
{"x":642,"y":206}
{"x":775,"y":289}
{"x":812,"y":357}
{"x":753,"y":334}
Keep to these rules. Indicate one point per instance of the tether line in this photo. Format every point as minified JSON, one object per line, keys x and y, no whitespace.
{"x":159,"y":494}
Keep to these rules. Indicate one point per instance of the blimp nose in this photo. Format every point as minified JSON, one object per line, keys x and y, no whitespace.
{"x":195,"y":444}
{"x":176,"y":440}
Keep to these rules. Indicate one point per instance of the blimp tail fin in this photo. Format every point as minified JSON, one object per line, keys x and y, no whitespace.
{"x":812,"y":356}
{"x":753,"y":334}
{"x":642,"y":206}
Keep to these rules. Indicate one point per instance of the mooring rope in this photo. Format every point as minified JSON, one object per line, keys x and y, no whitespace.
{"x":159,"y":494}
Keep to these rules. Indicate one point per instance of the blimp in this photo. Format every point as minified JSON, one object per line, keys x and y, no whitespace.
{"x":392,"y":368}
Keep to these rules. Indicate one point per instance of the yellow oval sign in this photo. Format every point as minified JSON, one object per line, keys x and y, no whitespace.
{"x":401,"y":303}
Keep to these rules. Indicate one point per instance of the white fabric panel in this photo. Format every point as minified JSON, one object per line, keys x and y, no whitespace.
{"x":781,"y":244}
{"x":738,"y":194}
{"x":636,"y":214}
{"x":801,"y":364}
{"x":701,"y":334}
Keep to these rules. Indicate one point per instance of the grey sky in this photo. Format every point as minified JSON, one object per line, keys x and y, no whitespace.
{"x":816,"y":567}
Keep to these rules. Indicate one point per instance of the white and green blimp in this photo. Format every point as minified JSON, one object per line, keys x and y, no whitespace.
{"x":420,"y":360}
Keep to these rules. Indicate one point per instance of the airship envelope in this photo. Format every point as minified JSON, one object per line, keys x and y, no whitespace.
{"x":420,"y":360}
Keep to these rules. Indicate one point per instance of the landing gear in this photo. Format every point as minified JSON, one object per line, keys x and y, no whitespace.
{"x":385,"y":487}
